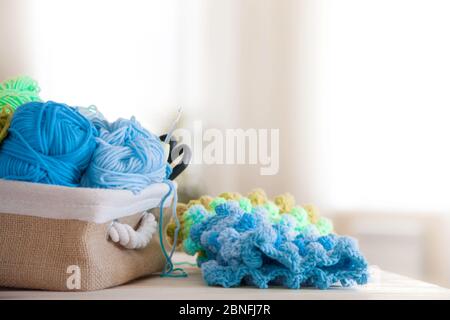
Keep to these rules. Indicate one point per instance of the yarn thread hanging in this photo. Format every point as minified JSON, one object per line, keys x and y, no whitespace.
{"x":169,"y":269}
{"x":49,"y":143}
{"x":17,"y":91}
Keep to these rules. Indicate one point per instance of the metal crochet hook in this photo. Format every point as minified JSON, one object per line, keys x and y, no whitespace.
{"x":176,"y":149}
{"x":174,"y":125}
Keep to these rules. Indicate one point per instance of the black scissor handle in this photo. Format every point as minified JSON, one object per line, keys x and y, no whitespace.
{"x":177,"y":150}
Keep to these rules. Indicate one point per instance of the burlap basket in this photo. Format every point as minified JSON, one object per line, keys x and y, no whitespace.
{"x":50,"y":235}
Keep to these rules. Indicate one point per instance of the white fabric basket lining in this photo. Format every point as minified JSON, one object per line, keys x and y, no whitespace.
{"x":85,"y":204}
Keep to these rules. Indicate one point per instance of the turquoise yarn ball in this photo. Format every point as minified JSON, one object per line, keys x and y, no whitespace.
{"x":49,"y":143}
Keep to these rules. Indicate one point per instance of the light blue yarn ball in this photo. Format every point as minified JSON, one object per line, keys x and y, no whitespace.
{"x":48,"y":143}
{"x":127,"y":157}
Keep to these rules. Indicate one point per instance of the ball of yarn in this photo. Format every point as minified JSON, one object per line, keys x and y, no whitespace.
{"x":127,"y":157}
{"x":13,"y":93}
{"x":48,"y":143}
{"x":5,"y":120}
{"x":17,"y":91}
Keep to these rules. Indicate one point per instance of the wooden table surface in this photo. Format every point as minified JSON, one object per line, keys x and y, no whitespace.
{"x":384,"y":285}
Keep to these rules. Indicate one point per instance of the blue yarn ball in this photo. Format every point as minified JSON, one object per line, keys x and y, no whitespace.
{"x":49,"y":143}
{"x":127,"y":157}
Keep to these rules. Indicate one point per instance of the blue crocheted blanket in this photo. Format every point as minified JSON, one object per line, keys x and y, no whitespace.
{"x":239,"y":247}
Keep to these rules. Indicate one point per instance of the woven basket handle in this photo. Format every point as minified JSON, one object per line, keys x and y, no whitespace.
{"x":124,"y":235}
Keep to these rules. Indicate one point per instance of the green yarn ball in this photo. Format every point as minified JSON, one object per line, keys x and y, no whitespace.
{"x":17,"y":91}
{"x":14,"y":93}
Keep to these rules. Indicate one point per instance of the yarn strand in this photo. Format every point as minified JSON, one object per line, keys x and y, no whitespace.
{"x":169,"y":270}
